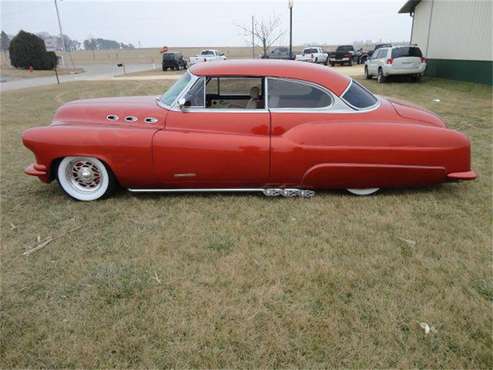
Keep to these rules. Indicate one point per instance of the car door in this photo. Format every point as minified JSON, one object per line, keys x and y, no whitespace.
{"x":215,"y":140}
{"x":381,"y":59}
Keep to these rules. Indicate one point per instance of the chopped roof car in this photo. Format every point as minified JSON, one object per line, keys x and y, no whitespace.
{"x":281,"y":128}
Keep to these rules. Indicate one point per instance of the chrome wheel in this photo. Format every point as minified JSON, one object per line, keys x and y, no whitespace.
{"x":83,"y":178}
{"x":367,"y":191}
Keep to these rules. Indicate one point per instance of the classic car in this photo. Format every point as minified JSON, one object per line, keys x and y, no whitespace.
{"x":277,"y":127}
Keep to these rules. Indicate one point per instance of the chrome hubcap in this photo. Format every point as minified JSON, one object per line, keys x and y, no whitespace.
{"x":84,"y":175}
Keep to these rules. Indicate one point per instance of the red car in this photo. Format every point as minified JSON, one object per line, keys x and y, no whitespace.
{"x":277,"y":127}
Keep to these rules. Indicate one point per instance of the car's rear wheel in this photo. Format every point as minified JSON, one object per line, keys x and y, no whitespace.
{"x":85,"y":178}
{"x":332,"y":64}
{"x":380,"y":76}
{"x":362,"y":192}
{"x":367,"y":75}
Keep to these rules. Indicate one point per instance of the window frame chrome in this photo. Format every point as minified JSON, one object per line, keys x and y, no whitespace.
{"x":338,"y":103}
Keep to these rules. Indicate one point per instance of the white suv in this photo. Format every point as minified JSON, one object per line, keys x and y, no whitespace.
{"x":396,"y":60}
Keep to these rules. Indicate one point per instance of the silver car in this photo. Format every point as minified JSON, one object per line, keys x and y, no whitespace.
{"x":396,"y":60}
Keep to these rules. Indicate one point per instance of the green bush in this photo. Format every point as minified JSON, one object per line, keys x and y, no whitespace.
{"x":28,"y":50}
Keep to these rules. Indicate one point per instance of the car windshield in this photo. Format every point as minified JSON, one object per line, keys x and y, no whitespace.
{"x":169,"y":55}
{"x":359,"y":97}
{"x":408,"y":51}
{"x":207,"y":52}
{"x":172,"y":93}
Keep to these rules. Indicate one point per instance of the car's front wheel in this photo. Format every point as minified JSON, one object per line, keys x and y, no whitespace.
{"x":85,"y":178}
{"x":367,"y":74}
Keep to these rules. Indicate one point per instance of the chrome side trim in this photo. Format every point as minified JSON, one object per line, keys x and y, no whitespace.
{"x":201,"y":190}
{"x":268,"y":192}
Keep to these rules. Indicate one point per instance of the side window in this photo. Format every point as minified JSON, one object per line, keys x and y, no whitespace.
{"x":195,"y":96}
{"x":235,"y":93}
{"x":293,"y":94}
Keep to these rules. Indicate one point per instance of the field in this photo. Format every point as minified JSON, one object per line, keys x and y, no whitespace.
{"x":215,"y":281}
{"x":13,"y":73}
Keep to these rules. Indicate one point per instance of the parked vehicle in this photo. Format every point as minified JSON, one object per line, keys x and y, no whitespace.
{"x":278,"y":53}
{"x":344,"y":54}
{"x":313,"y":54}
{"x":174,"y":61}
{"x":284,"y":129}
{"x":365,"y":55}
{"x":207,"y":56}
{"x":396,"y":60}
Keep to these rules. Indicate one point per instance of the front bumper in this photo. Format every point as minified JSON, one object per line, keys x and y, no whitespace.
{"x":38,"y":170}
{"x":335,"y":60}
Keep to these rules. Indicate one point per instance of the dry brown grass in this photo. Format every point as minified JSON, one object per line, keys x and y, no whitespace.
{"x":241,"y":280}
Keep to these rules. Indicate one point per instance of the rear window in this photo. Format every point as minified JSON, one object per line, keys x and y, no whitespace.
{"x":359,"y":97}
{"x":310,"y":51}
{"x":408,"y":51}
{"x":345,"y":48}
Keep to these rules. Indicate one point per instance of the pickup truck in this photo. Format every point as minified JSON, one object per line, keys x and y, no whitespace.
{"x":207,"y":56}
{"x":344,"y":54}
{"x":313,"y":54}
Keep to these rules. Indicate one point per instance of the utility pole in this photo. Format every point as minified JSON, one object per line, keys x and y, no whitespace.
{"x":290,"y":4}
{"x":253,"y":38}
{"x":61,"y":33}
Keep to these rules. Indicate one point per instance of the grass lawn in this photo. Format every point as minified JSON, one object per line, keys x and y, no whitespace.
{"x":15,"y":73}
{"x":216,"y":281}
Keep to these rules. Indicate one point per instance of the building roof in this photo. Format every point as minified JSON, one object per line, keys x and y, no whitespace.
{"x":304,"y":71}
{"x":409,"y":6}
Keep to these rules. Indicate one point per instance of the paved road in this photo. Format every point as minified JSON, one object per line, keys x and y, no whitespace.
{"x":91,"y":72}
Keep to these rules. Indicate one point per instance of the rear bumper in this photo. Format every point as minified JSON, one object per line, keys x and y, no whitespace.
{"x":468,"y":175}
{"x":389,"y":70}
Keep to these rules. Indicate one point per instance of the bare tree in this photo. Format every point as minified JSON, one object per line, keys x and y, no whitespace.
{"x":266,"y":32}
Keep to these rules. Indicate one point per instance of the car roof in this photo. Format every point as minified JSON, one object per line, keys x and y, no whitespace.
{"x":304,"y":71}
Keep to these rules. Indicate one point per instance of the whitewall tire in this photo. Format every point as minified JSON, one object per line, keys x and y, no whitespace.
{"x":363,"y":192}
{"x":84,"y":178}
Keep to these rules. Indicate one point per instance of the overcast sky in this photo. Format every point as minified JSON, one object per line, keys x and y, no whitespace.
{"x":209,"y":23}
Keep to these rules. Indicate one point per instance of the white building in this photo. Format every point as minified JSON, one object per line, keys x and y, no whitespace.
{"x":455,"y":36}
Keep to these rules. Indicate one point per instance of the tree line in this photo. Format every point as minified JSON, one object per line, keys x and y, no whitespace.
{"x":58,"y":43}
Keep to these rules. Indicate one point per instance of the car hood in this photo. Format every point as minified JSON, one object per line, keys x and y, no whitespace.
{"x":101,"y":110}
{"x":415,"y":113}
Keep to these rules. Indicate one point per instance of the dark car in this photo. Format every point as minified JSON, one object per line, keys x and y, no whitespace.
{"x":174,"y":61}
{"x":365,"y":55}
{"x":344,"y":54}
{"x":279,"y":53}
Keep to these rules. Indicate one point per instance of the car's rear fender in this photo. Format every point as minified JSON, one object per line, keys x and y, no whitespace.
{"x":396,"y":153}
